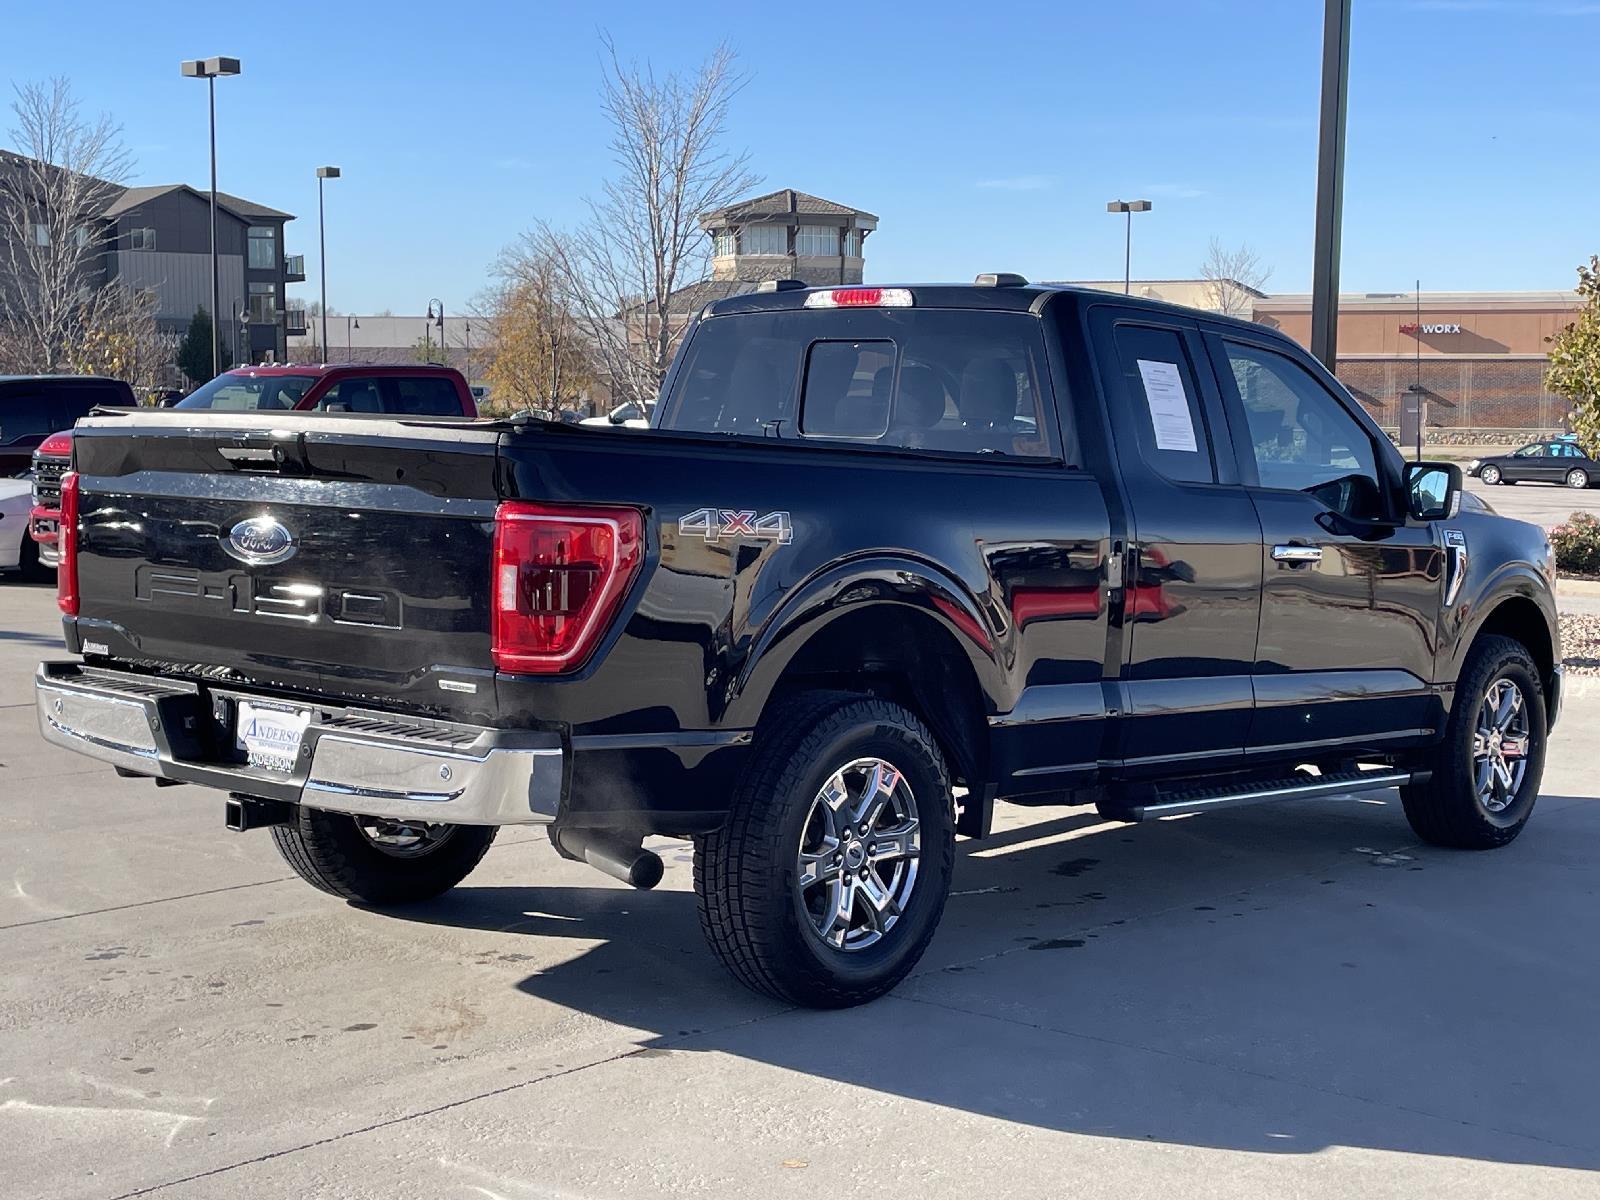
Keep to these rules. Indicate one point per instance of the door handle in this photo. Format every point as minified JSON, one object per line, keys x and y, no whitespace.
{"x":1297,"y":554}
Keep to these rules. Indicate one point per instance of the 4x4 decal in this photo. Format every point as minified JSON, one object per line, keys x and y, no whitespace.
{"x":715,"y":524}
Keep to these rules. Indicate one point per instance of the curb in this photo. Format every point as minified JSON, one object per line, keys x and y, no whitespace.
{"x":1577,"y":587}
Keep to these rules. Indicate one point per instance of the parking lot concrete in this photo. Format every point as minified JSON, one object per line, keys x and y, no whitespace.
{"x":1541,"y":503}
{"x":1259,"y":1003}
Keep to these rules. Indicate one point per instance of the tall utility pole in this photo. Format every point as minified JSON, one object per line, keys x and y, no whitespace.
{"x":322,"y":251}
{"x":208,"y":69}
{"x":1330,"y":181}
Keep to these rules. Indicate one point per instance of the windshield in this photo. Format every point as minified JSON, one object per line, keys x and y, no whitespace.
{"x":239,"y":392}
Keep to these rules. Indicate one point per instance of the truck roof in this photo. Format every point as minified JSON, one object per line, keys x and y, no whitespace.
{"x":1010,"y":293}
{"x":319,"y":369}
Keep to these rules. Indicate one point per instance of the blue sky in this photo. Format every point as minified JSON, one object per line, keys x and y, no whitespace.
{"x":985,"y":136}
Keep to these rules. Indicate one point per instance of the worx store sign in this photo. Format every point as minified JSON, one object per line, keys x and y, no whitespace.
{"x":1413,"y":328}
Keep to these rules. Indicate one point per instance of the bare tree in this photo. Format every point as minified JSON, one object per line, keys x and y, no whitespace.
{"x":67,"y":168}
{"x":115,"y":334}
{"x":618,"y":272}
{"x":1233,"y":278}
{"x":540,"y":352}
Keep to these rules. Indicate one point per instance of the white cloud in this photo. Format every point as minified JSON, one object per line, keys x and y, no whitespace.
{"x":1525,"y":8}
{"x":1177,"y":191}
{"x":1018,"y":183}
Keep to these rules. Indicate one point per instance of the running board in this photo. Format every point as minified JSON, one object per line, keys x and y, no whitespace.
{"x":1297,"y":787}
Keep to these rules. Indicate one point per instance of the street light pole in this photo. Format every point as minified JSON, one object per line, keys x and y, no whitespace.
{"x":1129,"y":207}
{"x":322,"y":248}
{"x":208,"y":69}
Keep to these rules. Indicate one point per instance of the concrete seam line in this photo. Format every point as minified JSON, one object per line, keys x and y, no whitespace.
{"x":95,"y":912}
{"x":1237,"y":1070}
{"x":233,"y":887}
{"x":377,"y":1125}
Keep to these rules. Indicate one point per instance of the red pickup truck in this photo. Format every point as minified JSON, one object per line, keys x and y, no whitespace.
{"x":414,"y":390}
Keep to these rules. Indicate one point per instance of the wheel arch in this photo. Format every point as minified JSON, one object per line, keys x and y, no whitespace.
{"x":891,"y":628}
{"x":1518,"y":607}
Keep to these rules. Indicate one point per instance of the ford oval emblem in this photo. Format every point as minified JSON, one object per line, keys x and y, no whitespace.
{"x":260,"y":541}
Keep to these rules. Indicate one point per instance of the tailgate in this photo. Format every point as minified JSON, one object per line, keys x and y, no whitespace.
{"x":342,"y":556}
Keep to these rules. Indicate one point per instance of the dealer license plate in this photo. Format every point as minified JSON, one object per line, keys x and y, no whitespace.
{"x":270,"y":734}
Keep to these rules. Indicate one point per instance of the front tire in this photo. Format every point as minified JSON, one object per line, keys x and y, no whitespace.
{"x":379,"y":863}
{"x":1490,"y":475}
{"x":1486,"y":771}
{"x":829,"y":879}
{"x":1577,"y":478}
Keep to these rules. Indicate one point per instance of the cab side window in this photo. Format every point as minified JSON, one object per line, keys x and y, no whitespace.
{"x":1302,"y":438}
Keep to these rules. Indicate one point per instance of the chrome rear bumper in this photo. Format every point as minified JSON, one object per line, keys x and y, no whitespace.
{"x":352,"y":761}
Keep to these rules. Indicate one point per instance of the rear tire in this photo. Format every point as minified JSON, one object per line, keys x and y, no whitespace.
{"x":33,"y":570}
{"x":829,"y":879}
{"x":1450,"y":808}
{"x":1577,"y":478}
{"x":331,"y":852}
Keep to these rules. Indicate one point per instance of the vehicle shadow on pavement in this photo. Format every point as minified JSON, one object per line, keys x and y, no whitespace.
{"x":1277,"y":980}
{"x":53,"y":641}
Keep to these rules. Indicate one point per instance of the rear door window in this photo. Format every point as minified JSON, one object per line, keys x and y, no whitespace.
{"x":951,"y":381}
{"x":426,"y":396}
{"x":1158,"y":387}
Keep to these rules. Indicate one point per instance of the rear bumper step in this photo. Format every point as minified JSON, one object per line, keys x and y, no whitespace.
{"x":1296,"y":787}
{"x":351,"y":761}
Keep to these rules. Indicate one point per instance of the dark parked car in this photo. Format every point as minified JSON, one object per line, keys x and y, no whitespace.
{"x":887,"y":555}
{"x":32,"y":407}
{"x":1559,"y":460}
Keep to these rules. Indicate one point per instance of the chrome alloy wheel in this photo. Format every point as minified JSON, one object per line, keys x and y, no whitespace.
{"x":403,"y":839}
{"x":859,"y":849}
{"x":1500,"y":745}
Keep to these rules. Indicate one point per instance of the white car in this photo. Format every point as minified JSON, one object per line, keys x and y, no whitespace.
{"x":629,"y":416}
{"x":17,"y":549}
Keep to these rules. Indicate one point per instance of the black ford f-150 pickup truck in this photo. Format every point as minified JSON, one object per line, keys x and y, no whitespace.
{"x":888,"y":554}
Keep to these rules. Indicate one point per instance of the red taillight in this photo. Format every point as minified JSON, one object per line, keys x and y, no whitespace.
{"x":57,"y":445}
{"x":67,"y":568}
{"x":559,"y":576}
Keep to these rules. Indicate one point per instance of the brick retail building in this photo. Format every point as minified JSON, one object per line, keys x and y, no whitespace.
{"x":1481,"y":355}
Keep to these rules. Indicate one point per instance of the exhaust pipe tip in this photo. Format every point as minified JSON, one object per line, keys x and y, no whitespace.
{"x":619,"y":857}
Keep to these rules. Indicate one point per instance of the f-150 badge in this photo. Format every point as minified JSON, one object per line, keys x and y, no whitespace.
{"x":724,"y":524}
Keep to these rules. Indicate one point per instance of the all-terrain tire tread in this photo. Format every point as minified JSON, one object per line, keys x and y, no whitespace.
{"x":1443,"y":811}
{"x":737,"y":915}
{"x":319,"y":847}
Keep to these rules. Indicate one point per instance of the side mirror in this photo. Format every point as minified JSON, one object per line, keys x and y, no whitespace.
{"x":1433,"y":490}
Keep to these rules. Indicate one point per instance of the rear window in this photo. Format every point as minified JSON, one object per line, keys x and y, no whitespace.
{"x":953,"y":381}
{"x":240,"y":393}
